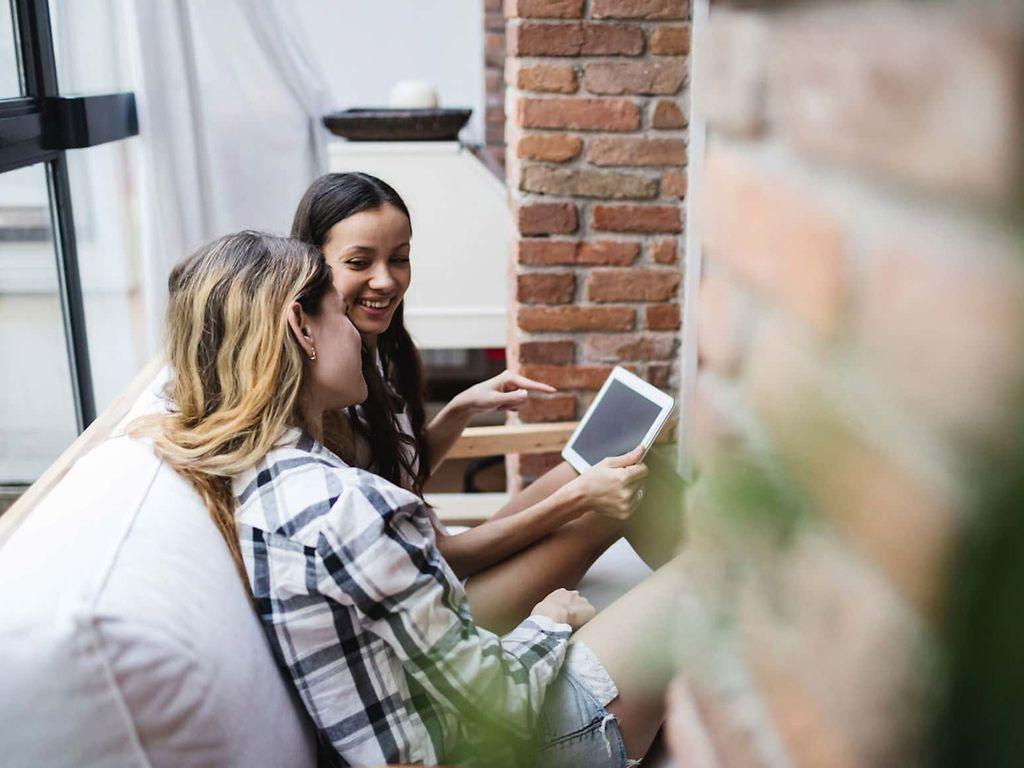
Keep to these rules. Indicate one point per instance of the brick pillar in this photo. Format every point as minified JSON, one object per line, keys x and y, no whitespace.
{"x":596,"y":169}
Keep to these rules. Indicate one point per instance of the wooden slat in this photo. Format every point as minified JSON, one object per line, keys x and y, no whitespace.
{"x":95,"y":434}
{"x":512,"y":438}
{"x":467,"y":509}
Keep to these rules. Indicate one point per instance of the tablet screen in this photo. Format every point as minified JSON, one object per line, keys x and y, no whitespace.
{"x":617,"y":426}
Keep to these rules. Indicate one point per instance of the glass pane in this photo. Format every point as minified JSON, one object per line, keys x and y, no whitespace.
{"x":104,"y":197}
{"x":37,"y":413}
{"x":10,"y":59}
{"x":89,"y":45}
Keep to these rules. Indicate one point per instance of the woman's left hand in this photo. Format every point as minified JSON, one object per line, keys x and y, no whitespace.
{"x":505,"y":392}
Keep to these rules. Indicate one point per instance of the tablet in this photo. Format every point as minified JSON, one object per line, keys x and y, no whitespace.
{"x":627,"y":412}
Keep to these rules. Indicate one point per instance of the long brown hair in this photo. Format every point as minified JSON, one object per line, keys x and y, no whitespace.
{"x":237,"y":371}
{"x":396,"y":456}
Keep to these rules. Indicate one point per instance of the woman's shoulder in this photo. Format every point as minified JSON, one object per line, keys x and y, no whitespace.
{"x":301,"y":489}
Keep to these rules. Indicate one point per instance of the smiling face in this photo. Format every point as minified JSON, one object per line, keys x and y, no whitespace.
{"x":368,"y":253}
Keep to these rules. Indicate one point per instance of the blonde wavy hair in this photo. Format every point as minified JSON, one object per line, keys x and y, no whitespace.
{"x":237,"y":371}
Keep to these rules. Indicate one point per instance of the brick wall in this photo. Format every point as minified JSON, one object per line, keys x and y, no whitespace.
{"x":597,"y":143}
{"x":859,"y":319}
{"x":494,"y":80}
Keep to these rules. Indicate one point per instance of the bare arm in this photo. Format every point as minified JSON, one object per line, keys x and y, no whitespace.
{"x":445,"y":429}
{"x":607,"y":488}
{"x":494,"y":540}
{"x":504,"y":392}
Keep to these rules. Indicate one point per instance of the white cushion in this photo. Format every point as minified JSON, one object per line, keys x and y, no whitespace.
{"x":126,"y":635}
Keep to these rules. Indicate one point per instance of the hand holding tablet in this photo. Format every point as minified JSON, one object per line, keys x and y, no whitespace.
{"x":627,"y":413}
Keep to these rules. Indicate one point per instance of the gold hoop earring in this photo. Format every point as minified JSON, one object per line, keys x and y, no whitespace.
{"x":312,"y":352}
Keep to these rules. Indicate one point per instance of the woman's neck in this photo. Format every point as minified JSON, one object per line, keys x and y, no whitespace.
{"x":313,"y":420}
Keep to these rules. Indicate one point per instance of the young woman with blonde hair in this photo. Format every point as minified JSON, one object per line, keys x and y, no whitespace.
{"x":361,"y":609}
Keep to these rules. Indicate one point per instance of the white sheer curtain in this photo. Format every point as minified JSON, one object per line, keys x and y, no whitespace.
{"x":229,"y":111}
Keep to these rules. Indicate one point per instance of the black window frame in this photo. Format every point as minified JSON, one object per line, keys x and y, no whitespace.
{"x":39,"y":127}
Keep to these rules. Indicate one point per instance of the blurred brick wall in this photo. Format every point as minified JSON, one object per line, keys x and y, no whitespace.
{"x":597,"y":144}
{"x":494,"y":81}
{"x":859,"y":345}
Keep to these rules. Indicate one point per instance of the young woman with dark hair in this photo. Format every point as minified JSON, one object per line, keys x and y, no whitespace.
{"x":545,"y":537}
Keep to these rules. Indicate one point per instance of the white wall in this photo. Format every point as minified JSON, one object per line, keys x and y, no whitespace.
{"x":365,"y":47}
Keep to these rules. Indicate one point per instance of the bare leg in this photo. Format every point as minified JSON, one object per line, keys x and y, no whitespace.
{"x":657,"y":528}
{"x":632,"y":639}
{"x":504,"y":594}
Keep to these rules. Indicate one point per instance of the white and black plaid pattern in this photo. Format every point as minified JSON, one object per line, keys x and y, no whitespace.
{"x":371,"y":623}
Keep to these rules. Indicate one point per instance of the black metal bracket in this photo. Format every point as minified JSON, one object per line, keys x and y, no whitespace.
{"x":74,"y":122}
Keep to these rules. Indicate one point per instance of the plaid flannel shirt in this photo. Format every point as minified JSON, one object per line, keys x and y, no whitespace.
{"x":370,"y":622}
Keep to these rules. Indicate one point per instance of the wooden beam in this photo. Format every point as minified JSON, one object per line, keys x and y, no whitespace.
{"x":512,"y":438}
{"x":94,"y":434}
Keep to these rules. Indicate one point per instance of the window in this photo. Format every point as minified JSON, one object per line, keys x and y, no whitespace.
{"x":48,"y":390}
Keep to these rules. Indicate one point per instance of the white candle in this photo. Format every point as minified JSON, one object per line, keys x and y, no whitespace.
{"x":413,"y":94}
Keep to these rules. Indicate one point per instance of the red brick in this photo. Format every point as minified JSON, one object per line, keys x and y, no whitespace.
{"x":632,"y":284}
{"x":903,"y":520}
{"x":664,"y":317}
{"x":820,"y":601}
{"x":583,"y":182}
{"x":929,"y":96}
{"x":539,"y":39}
{"x":776,"y":237}
{"x":546,"y":251}
{"x":637,"y":218}
{"x":539,"y":319}
{"x":533,"y":465}
{"x":579,"y":114}
{"x":638,"y":9}
{"x":719,"y":326}
{"x":665,"y":250}
{"x":608,"y":253}
{"x":494,"y":22}
{"x":547,"y":352}
{"x":569,"y":376}
{"x":534,"y":39}
{"x":545,"y":287}
{"x":495,"y":134}
{"x":495,"y":115}
{"x":939,"y":325}
{"x":546,"y":78}
{"x":544,"y":9}
{"x":541,"y":408}
{"x":673,"y":184}
{"x":732,"y":66}
{"x":612,"y":40}
{"x":549,"y":147}
{"x":599,"y":252}
{"x":614,"y":348}
{"x":547,"y":218}
{"x":659,"y":375}
{"x":494,"y":49}
{"x":646,"y":77}
{"x":671,"y":40}
{"x":667,"y":115}
{"x":616,"y":150}
{"x":495,"y":84}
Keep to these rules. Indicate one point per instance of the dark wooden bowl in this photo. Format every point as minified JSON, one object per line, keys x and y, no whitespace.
{"x":397,"y":124}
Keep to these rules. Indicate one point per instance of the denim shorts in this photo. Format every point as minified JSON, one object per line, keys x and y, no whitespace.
{"x":575,"y":728}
